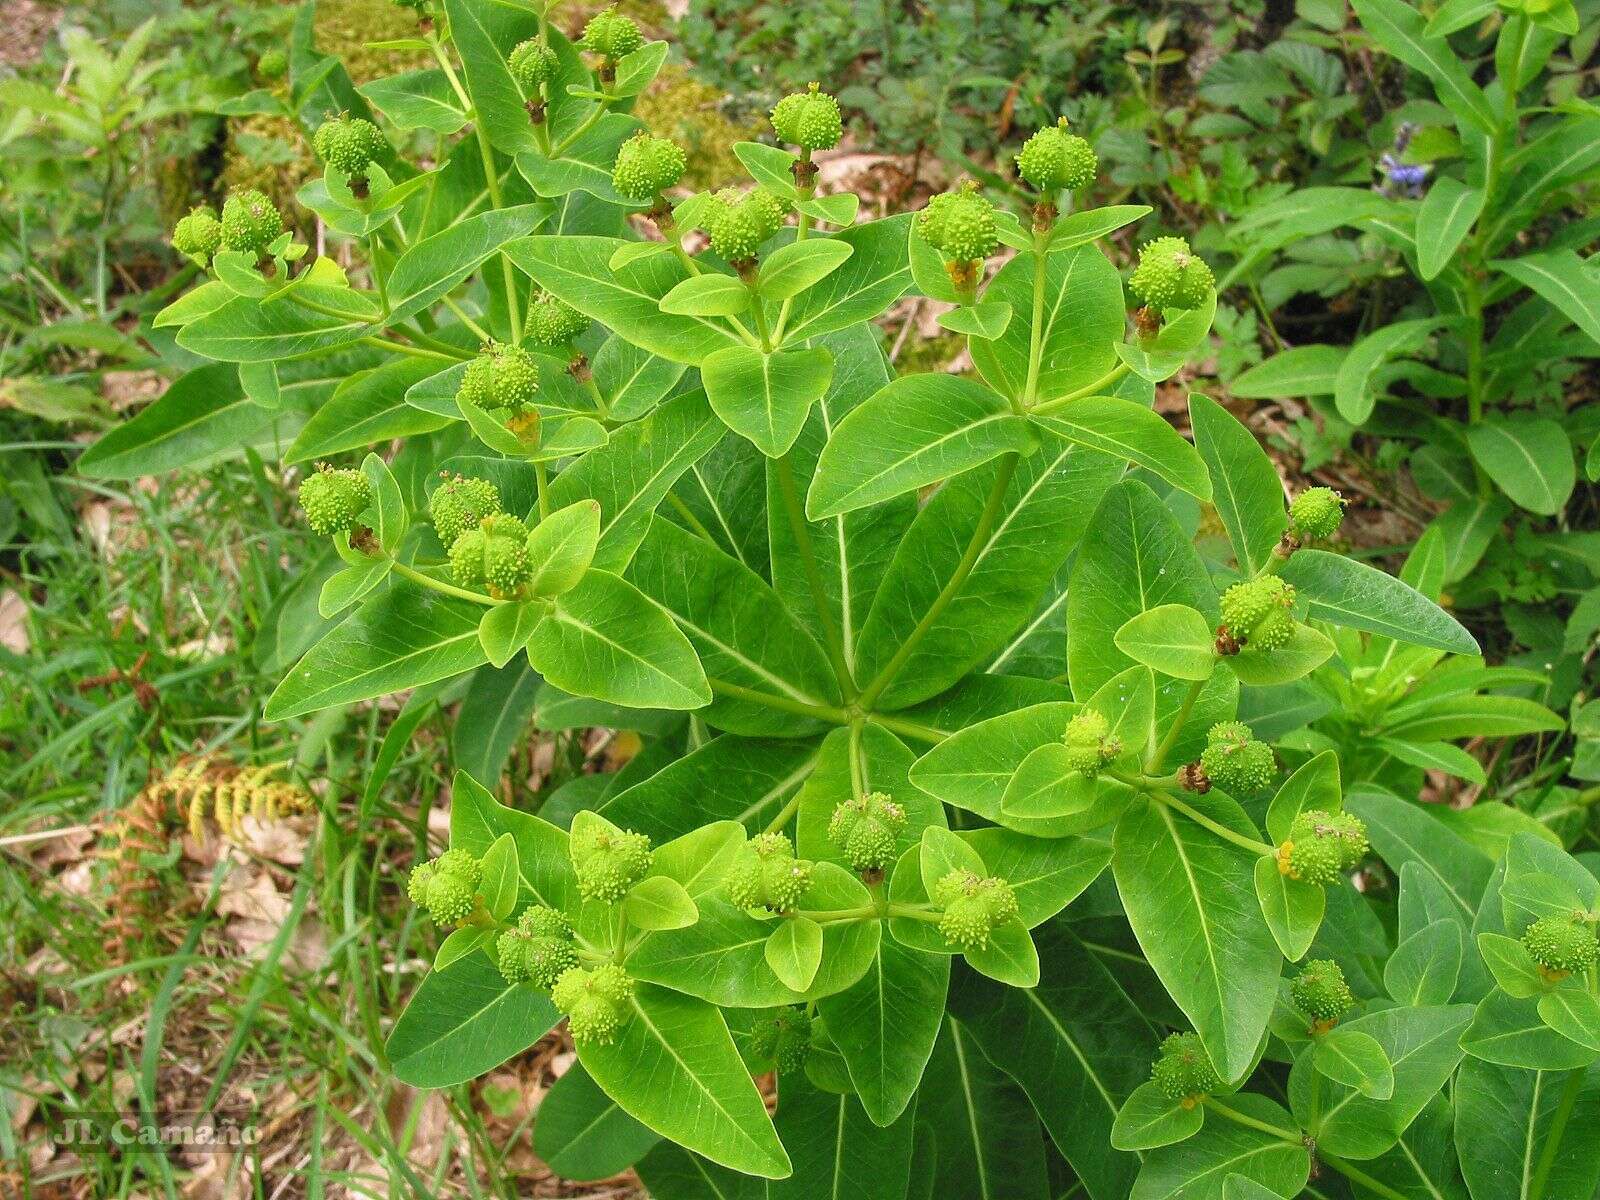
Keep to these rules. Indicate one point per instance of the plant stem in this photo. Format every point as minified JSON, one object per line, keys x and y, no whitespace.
{"x":1558,"y":1129}
{"x":541,"y":477}
{"x":1097,"y":388}
{"x":412,"y":351}
{"x":800,"y":708}
{"x":785,"y":814}
{"x":1159,"y":756}
{"x":1030,"y":389}
{"x":1205,"y":822}
{"x":912,"y":729}
{"x":1249,"y":1122}
{"x":1356,"y":1175}
{"x":439,"y":585}
{"x":975,"y":548}
{"x":461,"y":315}
{"x":801,"y":531}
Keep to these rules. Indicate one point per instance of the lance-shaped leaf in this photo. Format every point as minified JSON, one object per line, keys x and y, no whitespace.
{"x":250,"y":330}
{"x":1522,"y":1132}
{"x":204,"y":413}
{"x":1446,"y":217}
{"x":874,"y":276}
{"x":1529,"y":459}
{"x":1126,"y":429}
{"x":1350,"y":593}
{"x":582,"y":1134}
{"x":464,"y":1021}
{"x":1206,"y":1164}
{"x":1244,"y":484}
{"x":838,"y":1153}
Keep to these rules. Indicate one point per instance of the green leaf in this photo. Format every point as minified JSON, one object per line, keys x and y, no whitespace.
{"x":1149,"y":1119}
{"x":1445,"y":218}
{"x":987,"y":320}
{"x":1293,"y":908}
{"x":464,"y":1021}
{"x":942,"y":852}
{"x":794,"y":952}
{"x":1513,"y":968}
{"x":874,"y":276}
{"x":632,"y":380}
{"x":1402,"y":833}
{"x":1092,"y":224}
{"x":1045,"y":874}
{"x":582,"y":1135}
{"x":485,"y":34}
{"x":562,"y":546}
{"x":203,"y":414}
{"x":1244,"y":484}
{"x":367,"y":409}
{"x":728,"y":778}
{"x":1079,"y":1044}
{"x":585,"y":166}
{"x":250,"y":330}
{"x":1402,"y":31}
{"x":1191,"y":901}
{"x":1350,"y":1057}
{"x":659,"y":902}
{"x":1292,"y":374}
{"x":417,"y":100}
{"x":766,"y":397}
{"x":1353,"y":594}
{"x":1200,"y":1167}
{"x":1562,"y":278}
{"x":1125,"y":429}
{"x":673,"y":1067}
{"x":400,"y":638}
{"x":790,"y":270}
{"x":626,"y":299}
{"x":838,"y":1153}
{"x":709,"y":295}
{"x":770,"y":166}
{"x":605,"y":639}
{"x":501,"y":877}
{"x":1008,"y":956}
{"x":1424,"y":968}
{"x":1524,"y":1130}
{"x":1529,"y":459}
{"x":973,"y":768}
{"x":920,"y":429}
{"x":351,"y":583}
{"x":1171,"y":638}
{"x":388,"y":508}
{"x":461,"y":943}
{"x":1510,"y":1031}
{"x":477,"y":820}
{"x":1314,"y":784}
{"x":433,"y":267}
{"x":1354,"y":393}
{"x":1574,"y":1014}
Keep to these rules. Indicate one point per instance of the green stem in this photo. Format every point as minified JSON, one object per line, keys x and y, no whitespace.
{"x":1097,"y":388}
{"x":589,"y":122}
{"x":1030,"y":389}
{"x":411,"y":351}
{"x":799,"y":708}
{"x":802,"y":227}
{"x":829,"y":916}
{"x":695,"y":523}
{"x":785,"y":815}
{"x":911,"y":729}
{"x":439,"y":585}
{"x":478,"y":331}
{"x":1159,"y":756}
{"x":958,"y":578}
{"x":801,"y":531}
{"x":1205,"y":822}
{"x":858,"y":769}
{"x":1356,"y":1175}
{"x":593,"y":389}
{"x":1557,"y":1130}
{"x":1249,"y":1122}
{"x":541,"y":477}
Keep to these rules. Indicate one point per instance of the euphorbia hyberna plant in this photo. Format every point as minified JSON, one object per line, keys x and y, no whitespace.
{"x":926,"y":653}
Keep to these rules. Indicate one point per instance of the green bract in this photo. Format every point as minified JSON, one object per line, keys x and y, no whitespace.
{"x":1170,"y":276}
{"x":808,"y":119}
{"x":1054,"y":159}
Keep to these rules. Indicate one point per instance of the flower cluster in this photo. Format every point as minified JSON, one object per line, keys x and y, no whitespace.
{"x":538,"y":950}
{"x":1257,"y":612}
{"x":864,"y":829}
{"x":1321,"y":993}
{"x":608,"y":861}
{"x":973,"y":906}
{"x":1322,"y":846}
{"x":333,"y":499}
{"x":782,"y":1036}
{"x":1170,"y":276}
{"x":766,"y":874}
{"x":1183,"y":1072}
{"x":595,"y":1002}
{"x":447,"y":887}
{"x":1561,"y":946}
{"x":1234,"y":761}
{"x":1091,"y":746}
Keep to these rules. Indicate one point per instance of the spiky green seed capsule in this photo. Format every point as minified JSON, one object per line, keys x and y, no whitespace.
{"x":766,"y":874}
{"x":198,"y":235}
{"x":1184,"y":1072}
{"x":459,"y":504}
{"x":533,"y":63}
{"x":1234,"y":760}
{"x":808,"y":119}
{"x":596,"y":1002}
{"x":864,"y":829}
{"x":1315,"y":514}
{"x":738,"y":224}
{"x":608,"y":861}
{"x":611,"y":35}
{"x":348,"y":144}
{"x":447,"y":887}
{"x":500,"y":377}
{"x":646,"y":166}
{"x":1256,"y":612}
{"x":960,"y":224}
{"x":973,"y":906}
{"x":1321,"y":846}
{"x":782,"y":1036}
{"x":1170,"y":276}
{"x":272,"y":65}
{"x":1561,"y":945}
{"x":552,"y":323}
{"x":539,"y":949}
{"x":1321,"y":993}
{"x":493,"y":556}
{"x":1089,"y":743}
{"x":332,"y":500}
{"x":1053,"y":159}
{"x":250,"y":222}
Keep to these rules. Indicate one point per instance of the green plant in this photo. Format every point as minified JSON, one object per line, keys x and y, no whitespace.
{"x":868,"y":849}
{"x":1481,"y":210}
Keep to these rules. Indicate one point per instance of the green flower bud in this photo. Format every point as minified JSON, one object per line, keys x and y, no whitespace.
{"x":272,"y":65}
{"x":1053,"y":159}
{"x":1256,"y":612}
{"x":447,"y":887}
{"x":250,"y":222}
{"x":864,"y":829}
{"x":332,"y":500}
{"x":1321,"y":846}
{"x":1170,"y":276}
{"x":348,"y":144}
{"x":960,"y":224}
{"x":1315,"y":514}
{"x":539,"y":949}
{"x":808,"y":119}
{"x":595,"y":1002}
{"x":1184,"y":1072}
{"x":552,"y":323}
{"x":1234,"y":760}
{"x":501,"y":377}
{"x":783,"y":1036}
{"x":1561,"y":946}
{"x":973,"y":906}
{"x":533,"y":63}
{"x":198,"y":235}
{"x":646,"y":166}
{"x":1090,"y":745}
{"x":737,"y":225}
{"x":459,"y":504}
{"x":1321,"y":993}
{"x":608,"y":861}
{"x":492,"y":556}
{"x":611,"y":35}
{"x":766,"y":874}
